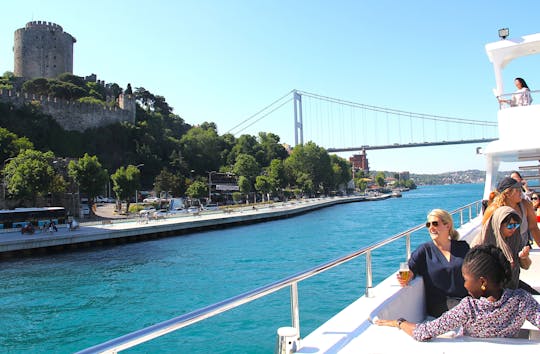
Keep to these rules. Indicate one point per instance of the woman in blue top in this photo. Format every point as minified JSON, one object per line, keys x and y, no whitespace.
{"x":439,"y":263}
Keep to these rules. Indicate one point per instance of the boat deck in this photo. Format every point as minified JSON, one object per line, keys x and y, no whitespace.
{"x":352,"y":330}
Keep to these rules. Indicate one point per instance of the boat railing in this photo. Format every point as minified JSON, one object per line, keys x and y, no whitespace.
{"x":463,"y":215}
{"x":535,"y":95}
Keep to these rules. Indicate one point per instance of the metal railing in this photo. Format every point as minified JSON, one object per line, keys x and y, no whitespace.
{"x":143,"y":335}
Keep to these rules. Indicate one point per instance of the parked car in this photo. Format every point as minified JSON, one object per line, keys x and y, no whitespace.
{"x":102,"y":199}
{"x":193,"y":210}
{"x":211,"y":207}
{"x":151,"y":200}
{"x":85,"y":210}
{"x":160,"y":214}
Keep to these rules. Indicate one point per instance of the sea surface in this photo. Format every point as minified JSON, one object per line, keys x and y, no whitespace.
{"x":62,"y":303}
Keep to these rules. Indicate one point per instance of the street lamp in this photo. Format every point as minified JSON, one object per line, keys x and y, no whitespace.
{"x":138,"y":166}
{"x":210,"y":186}
{"x":4,"y":179}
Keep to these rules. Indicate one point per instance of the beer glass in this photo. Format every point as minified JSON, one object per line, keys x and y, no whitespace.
{"x":404,"y":272}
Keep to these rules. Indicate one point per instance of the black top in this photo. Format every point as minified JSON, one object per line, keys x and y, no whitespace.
{"x":442,"y":278}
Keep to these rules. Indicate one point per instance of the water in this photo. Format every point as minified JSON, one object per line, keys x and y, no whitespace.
{"x":62,"y":303}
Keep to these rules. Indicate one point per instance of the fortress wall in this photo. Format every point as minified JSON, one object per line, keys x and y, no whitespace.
{"x":71,"y":115}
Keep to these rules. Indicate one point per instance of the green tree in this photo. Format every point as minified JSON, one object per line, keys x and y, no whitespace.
{"x":30,"y":175}
{"x":11,"y":145}
{"x":263,"y":184}
{"x":379,"y":179}
{"x":126,"y":180}
{"x":245,"y":185}
{"x":310,"y":162}
{"x":341,"y":169}
{"x":200,"y":148}
{"x":276,"y":172}
{"x":89,"y":175}
{"x":169,"y":182}
{"x":246,"y":166}
{"x":197,"y":189}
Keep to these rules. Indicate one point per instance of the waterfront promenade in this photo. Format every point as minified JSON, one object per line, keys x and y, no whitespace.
{"x":106,"y":232}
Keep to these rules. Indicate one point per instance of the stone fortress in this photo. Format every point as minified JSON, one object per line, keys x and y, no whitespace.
{"x":43,"y":49}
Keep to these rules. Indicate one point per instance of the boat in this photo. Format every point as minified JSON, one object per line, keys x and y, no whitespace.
{"x":396,"y":193}
{"x":352,"y":330}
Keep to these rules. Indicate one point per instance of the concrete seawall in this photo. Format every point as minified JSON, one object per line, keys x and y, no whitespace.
{"x":14,"y":244}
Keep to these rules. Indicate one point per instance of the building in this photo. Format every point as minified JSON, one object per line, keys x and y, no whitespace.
{"x":359,"y":162}
{"x":42,"y":49}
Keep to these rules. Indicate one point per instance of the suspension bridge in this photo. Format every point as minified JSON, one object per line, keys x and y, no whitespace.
{"x":339,"y":125}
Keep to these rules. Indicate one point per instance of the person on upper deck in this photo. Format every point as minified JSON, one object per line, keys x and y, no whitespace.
{"x":509,"y":193}
{"x":439,"y":263}
{"x":502,"y":230}
{"x":522,"y":97}
{"x":490,"y":311}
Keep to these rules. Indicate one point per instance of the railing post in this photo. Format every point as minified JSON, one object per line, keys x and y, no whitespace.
{"x":369,"y":279}
{"x":408,"y":245}
{"x":295,"y":310}
{"x":461,"y":217}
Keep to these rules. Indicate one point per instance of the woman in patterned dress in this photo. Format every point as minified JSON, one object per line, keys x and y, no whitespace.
{"x":490,"y":311}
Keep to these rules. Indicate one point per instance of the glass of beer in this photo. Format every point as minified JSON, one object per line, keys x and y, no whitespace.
{"x":404,"y":272}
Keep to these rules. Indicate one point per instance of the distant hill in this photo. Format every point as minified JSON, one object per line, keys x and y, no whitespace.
{"x":458,"y":177}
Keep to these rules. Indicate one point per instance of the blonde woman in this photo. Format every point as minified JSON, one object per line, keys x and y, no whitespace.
{"x":439,"y":262}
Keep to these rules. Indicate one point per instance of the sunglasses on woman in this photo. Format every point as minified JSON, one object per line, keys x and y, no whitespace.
{"x":513,"y":225}
{"x":534,"y":198}
{"x":434,"y":223}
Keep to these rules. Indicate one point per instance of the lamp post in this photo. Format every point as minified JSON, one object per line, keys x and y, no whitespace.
{"x":210,"y":186}
{"x":4,"y":179}
{"x":138,"y":166}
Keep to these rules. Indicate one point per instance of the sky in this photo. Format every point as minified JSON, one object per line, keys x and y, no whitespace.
{"x":223,"y":61}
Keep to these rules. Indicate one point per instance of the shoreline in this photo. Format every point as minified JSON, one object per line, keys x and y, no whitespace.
{"x":119,"y":231}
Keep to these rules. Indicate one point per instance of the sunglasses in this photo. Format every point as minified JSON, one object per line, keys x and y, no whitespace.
{"x":434,"y":223}
{"x":513,"y":226}
{"x":534,"y":198}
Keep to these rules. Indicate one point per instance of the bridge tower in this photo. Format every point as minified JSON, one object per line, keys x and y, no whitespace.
{"x":298,"y":125}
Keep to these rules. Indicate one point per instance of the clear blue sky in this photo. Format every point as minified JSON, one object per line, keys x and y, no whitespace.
{"x":222,"y":61}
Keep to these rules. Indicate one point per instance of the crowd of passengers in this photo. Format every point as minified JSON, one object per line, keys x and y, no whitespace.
{"x":475,"y":289}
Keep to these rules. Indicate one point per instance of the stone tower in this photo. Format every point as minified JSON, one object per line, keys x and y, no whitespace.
{"x":42,"y":49}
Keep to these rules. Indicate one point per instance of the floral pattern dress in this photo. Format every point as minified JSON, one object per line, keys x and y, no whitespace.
{"x":483,"y":318}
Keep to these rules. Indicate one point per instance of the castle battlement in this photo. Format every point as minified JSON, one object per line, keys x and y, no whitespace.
{"x":44,"y":24}
{"x":74,"y":115}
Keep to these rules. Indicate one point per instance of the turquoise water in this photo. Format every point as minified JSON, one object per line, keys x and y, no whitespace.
{"x":62,"y":303}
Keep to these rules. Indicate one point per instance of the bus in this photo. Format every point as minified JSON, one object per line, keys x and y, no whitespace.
{"x":19,"y":217}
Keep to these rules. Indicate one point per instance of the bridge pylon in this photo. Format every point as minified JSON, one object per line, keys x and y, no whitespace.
{"x":298,"y":125}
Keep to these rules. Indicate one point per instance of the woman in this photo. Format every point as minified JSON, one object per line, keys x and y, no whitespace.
{"x":439,"y":263}
{"x":490,"y":310}
{"x":509,"y":194}
{"x":522,"y":97}
{"x":502,"y":230}
{"x":535,"y":199}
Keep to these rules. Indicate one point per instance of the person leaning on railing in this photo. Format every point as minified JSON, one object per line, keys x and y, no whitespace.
{"x":490,"y":311}
{"x":439,"y":263}
{"x":522,"y":97}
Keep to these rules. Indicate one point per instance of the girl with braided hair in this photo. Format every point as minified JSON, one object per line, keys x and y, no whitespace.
{"x":491,"y":310}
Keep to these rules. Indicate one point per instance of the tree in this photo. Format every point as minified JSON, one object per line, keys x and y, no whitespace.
{"x":30,"y":175}
{"x":312,"y":161}
{"x":246,"y":166}
{"x":245,"y":185}
{"x":197,"y":189}
{"x":263,"y":184}
{"x":169,"y":182}
{"x":11,"y":145}
{"x":200,"y":148}
{"x":379,"y":179}
{"x":126,"y":180}
{"x":89,"y":175}
{"x":276,"y":172}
